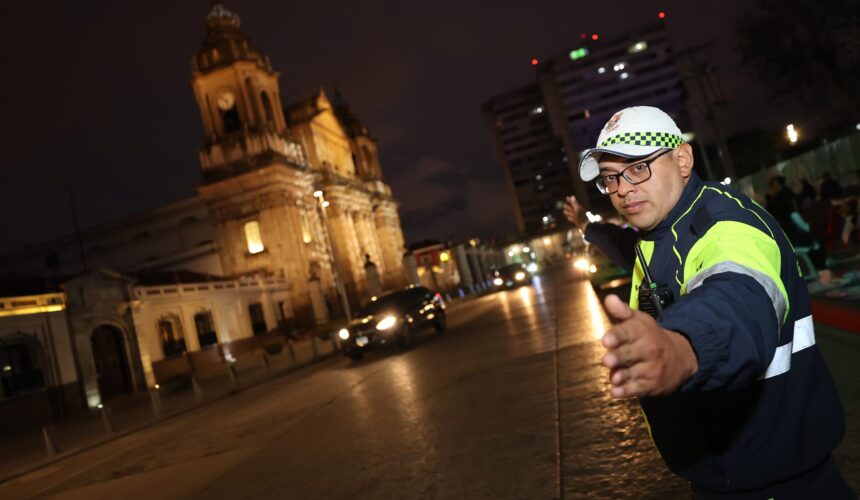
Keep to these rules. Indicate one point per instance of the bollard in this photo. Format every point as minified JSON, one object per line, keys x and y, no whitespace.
{"x":234,"y":378}
{"x":198,"y":391}
{"x":314,"y":350}
{"x":49,"y":433}
{"x":264,"y":361}
{"x":155,"y":399}
{"x":107,"y":418}
{"x":292,"y":354}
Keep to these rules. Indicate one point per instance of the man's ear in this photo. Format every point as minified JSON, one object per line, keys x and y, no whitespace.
{"x":684,"y":156}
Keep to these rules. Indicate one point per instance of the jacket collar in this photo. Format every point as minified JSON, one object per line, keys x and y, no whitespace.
{"x":691,"y":190}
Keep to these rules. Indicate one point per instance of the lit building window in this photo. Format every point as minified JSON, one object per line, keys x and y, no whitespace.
{"x":638,"y":47}
{"x":253,"y":238}
{"x":307,"y":236}
{"x":578,"y":53}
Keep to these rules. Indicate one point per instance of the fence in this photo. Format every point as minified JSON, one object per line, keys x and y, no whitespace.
{"x":841,"y":158}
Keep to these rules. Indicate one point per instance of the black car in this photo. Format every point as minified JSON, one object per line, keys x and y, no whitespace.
{"x":512,"y":276}
{"x":393,"y":318}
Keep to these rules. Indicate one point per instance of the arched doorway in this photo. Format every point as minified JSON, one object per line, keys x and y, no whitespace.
{"x":112,"y":369}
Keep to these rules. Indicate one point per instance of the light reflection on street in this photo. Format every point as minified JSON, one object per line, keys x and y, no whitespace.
{"x":599,"y":323}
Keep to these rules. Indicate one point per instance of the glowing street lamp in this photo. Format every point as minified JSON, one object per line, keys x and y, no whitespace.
{"x":792,"y":133}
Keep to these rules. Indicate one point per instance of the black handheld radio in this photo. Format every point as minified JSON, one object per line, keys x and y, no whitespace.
{"x":653,"y":298}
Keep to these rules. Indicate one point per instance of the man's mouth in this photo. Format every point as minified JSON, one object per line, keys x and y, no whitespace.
{"x":634,"y":207}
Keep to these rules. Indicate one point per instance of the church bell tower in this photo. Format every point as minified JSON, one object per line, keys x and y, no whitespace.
{"x":255,"y":177}
{"x":240,"y":103}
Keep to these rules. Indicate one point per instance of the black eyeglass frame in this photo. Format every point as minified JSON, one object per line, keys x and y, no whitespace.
{"x":623,"y":173}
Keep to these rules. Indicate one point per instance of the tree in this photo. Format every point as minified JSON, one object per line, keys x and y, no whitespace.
{"x":808,"y":50}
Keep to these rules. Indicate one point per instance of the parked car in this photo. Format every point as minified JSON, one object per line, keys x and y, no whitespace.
{"x":393,"y":318}
{"x":512,"y":276}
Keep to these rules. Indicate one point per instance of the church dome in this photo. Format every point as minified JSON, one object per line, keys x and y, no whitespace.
{"x":225,"y":43}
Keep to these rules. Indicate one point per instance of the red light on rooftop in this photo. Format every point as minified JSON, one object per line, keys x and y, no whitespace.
{"x":662,"y":15}
{"x":534,"y":62}
{"x":594,"y":36}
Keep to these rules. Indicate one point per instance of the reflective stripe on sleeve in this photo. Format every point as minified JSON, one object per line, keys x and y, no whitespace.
{"x":766,"y":282}
{"x":804,"y":336}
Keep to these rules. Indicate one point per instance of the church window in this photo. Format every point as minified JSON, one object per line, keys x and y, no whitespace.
{"x":205,"y":328}
{"x":267,"y":107}
{"x":170,"y":334}
{"x":253,"y":238}
{"x":258,"y":319}
{"x":307,"y":236}
{"x":232,"y":122}
{"x":21,"y":364}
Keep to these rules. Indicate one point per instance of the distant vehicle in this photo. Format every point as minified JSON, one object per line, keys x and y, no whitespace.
{"x":393,"y":318}
{"x":512,"y":276}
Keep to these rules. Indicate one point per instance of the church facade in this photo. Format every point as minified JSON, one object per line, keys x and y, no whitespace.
{"x":293,"y":191}
{"x":292,"y":224}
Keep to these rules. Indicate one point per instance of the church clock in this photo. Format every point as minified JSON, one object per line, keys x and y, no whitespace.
{"x":226,"y":100}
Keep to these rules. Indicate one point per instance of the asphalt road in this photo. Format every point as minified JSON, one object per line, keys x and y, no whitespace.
{"x":510,"y":402}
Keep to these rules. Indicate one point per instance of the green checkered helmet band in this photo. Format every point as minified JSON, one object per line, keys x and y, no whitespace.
{"x":656,"y":139}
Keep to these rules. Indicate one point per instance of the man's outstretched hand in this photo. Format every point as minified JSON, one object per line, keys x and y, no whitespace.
{"x":574,"y":212}
{"x":643,"y":358}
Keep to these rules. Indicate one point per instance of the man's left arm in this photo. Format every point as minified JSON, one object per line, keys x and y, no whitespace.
{"x":734,"y":308}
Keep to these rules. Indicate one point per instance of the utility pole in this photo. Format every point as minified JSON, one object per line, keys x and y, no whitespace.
{"x":77,"y":226}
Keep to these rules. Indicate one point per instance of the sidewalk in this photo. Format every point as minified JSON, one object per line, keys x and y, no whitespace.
{"x":132,"y":412}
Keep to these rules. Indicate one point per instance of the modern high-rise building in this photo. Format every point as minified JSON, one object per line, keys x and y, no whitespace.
{"x":531,"y":155}
{"x":577,"y":91}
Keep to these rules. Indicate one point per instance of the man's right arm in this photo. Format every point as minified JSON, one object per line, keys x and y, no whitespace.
{"x":616,"y":242}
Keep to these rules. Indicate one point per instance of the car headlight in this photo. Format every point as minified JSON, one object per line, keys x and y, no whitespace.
{"x":532,"y":267}
{"x":498,"y":281}
{"x":343,"y":333}
{"x":386,"y":323}
{"x":581,"y":263}
{"x":520,"y":275}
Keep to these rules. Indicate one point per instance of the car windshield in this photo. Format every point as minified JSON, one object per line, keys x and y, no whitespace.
{"x":395,"y":300}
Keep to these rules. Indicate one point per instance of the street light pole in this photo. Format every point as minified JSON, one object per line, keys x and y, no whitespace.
{"x":322,"y":204}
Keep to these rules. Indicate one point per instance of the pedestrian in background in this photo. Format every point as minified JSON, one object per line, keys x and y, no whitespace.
{"x":830,"y":188}
{"x":735,"y":392}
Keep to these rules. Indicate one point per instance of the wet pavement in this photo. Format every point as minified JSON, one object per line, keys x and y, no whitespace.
{"x":510,"y":402}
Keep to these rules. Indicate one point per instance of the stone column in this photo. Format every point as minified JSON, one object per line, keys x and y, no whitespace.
{"x":318,"y":303}
{"x":466,"y":279}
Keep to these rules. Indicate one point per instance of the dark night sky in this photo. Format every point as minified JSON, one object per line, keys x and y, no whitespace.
{"x":97,"y":93}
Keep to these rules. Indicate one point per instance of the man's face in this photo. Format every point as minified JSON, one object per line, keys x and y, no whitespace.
{"x":645,"y":205}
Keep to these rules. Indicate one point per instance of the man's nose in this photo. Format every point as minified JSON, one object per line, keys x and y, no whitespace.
{"x":624,"y":186}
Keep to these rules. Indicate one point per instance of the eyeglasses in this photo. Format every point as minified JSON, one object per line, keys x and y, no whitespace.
{"x":636,"y":173}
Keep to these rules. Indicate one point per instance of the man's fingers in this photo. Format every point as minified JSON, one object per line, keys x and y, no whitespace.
{"x":617,"y":309}
{"x":624,"y":355}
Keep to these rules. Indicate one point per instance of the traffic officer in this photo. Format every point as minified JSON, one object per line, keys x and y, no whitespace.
{"x":735,"y":392}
